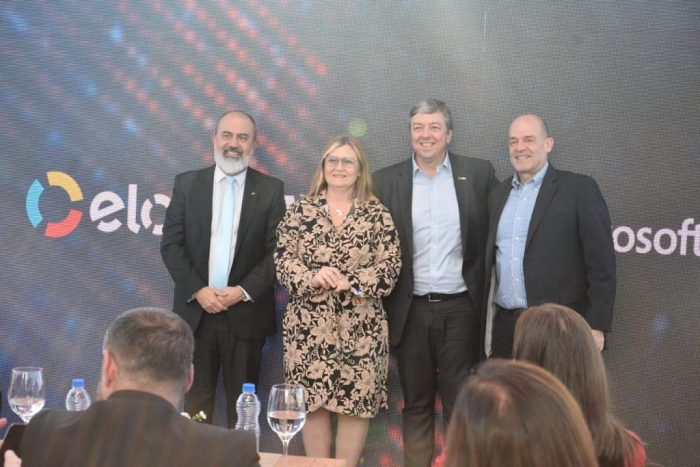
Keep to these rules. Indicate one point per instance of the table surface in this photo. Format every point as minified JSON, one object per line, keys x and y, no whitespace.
{"x":271,"y":459}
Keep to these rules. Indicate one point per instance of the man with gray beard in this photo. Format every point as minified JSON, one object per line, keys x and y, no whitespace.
{"x":218,"y":240}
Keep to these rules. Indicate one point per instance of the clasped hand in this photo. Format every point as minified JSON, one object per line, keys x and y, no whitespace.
{"x":217,"y":300}
{"x":330,"y":278}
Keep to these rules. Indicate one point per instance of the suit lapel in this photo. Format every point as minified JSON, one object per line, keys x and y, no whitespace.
{"x":203,"y":200}
{"x":463,"y":184}
{"x":405,"y":201}
{"x":548,"y":189}
{"x":250,"y":197}
{"x":499,"y":198}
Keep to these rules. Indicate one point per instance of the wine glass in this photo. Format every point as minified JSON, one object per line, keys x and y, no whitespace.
{"x":286,"y":412}
{"x":27,"y":394}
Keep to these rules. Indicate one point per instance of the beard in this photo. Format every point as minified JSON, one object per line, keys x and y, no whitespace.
{"x":232,"y":166}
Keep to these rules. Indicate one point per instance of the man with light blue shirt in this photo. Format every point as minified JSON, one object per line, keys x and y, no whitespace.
{"x":439,"y":204}
{"x":218,"y":240}
{"x":550,"y":238}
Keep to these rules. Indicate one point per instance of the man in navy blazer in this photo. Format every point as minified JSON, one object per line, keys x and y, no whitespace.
{"x":146,"y":368}
{"x":550,"y":239}
{"x":438,"y":201}
{"x":230,"y":319}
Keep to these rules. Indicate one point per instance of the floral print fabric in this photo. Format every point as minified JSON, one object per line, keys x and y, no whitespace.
{"x":337,"y":344}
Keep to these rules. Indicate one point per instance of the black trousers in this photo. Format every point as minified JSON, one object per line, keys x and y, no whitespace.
{"x":502,"y":332}
{"x":217,"y":347}
{"x":438,"y":348}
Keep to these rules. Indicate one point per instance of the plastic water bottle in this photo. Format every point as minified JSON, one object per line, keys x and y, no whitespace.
{"x":248,"y":409}
{"x":77,"y":398}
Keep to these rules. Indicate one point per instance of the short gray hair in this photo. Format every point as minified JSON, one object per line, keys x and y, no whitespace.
{"x":430,"y":106}
{"x":152,"y":344}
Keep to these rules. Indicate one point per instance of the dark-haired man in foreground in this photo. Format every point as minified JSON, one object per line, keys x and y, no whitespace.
{"x":146,"y":369}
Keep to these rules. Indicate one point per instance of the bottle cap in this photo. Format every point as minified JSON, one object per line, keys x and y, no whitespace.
{"x":248,"y":387}
{"x":78,"y":383}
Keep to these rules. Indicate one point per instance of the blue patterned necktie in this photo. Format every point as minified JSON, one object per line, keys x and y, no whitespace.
{"x":219,"y":278}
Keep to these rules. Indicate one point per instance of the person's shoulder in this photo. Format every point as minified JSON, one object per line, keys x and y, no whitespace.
{"x":49,"y":424}
{"x":216,"y":434}
{"x":637,"y":455}
{"x":53,"y":417}
{"x":392,"y":169}
{"x":190,"y":176}
{"x":568,"y":174}
{"x":304,"y":201}
{"x":216,"y":444}
{"x":373,"y":206}
{"x":504,"y":184}
{"x":500,"y":190}
{"x":196,"y":172}
{"x":304,"y":205}
{"x":573,"y":179}
{"x":474,"y":163}
{"x":263,"y":177}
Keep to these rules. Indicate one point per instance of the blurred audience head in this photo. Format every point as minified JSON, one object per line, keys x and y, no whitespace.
{"x":516,"y":414}
{"x":559,"y":340}
{"x":148,"y":349}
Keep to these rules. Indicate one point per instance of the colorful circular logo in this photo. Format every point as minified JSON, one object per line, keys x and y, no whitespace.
{"x":71,"y":221}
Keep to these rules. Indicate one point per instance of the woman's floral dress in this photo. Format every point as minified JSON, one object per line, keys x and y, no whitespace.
{"x":337,"y":344}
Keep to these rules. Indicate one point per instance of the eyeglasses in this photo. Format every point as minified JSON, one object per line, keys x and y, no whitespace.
{"x":347,"y":162}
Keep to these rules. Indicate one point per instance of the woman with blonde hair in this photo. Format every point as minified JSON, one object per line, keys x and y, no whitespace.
{"x":338,"y":255}
{"x":559,"y":340}
{"x":517,"y":414}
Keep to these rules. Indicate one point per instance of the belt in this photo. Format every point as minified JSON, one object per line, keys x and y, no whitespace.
{"x":440,"y":297}
{"x":506,"y":311}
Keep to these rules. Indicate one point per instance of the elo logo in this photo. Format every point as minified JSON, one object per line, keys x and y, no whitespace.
{"x":103,"y":206}
{"x":71,"y":221}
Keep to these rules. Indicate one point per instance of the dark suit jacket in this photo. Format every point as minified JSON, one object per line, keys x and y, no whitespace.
{"x":569,"y":254}
{"x":185,"y":248}
{"x":473,"y":179}
{"x":131,"y":429}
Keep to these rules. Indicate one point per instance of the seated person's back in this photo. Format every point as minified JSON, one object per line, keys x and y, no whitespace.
{"x":147,"y":367}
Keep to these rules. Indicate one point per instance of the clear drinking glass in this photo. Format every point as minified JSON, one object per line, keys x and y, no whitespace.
{"x":286,"y":412}
{"x":27,"y":394}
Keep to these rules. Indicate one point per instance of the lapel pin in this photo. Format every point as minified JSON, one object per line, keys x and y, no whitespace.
{"x":461,"y":178}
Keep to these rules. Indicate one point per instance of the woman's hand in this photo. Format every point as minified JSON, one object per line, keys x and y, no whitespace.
{"x":330,"y":278}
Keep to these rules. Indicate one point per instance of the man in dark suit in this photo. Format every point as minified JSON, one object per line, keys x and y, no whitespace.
{"x":438,"y":202}
{"x":218,"y":240}
{"x":146,"y":368}
{"x":550,"y":239}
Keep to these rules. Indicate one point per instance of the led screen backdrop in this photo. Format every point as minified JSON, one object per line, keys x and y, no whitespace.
{"x":103,"y":102}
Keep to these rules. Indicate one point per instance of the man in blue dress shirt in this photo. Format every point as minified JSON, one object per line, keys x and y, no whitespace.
{"x":439,"y":203}
{"x":550,"y":239}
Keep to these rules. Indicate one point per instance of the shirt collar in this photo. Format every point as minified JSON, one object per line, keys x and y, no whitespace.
{"x":239,"y":177}
{"x":536,"y":180}
{"x":446,"y":165}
